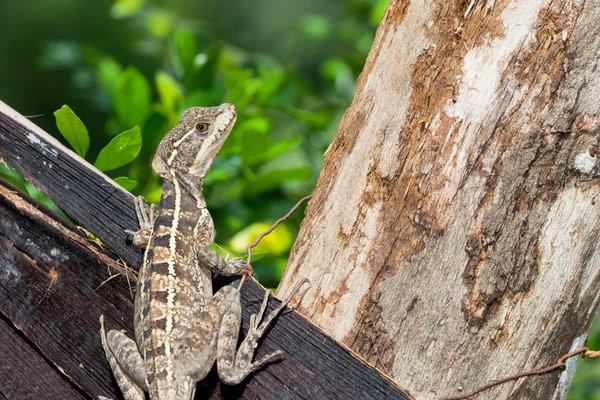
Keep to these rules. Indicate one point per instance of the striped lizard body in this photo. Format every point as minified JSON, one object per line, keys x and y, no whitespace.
{"x":172,"y":288}
{"x":181,"y":327}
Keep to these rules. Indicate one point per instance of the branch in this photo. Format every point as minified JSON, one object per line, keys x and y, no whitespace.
{"x":265,"y":233}
{"x":560,"y":364}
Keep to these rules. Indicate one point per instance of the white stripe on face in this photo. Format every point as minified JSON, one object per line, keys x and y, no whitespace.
{"x":170,"y":160}
{"x":177,"y":143}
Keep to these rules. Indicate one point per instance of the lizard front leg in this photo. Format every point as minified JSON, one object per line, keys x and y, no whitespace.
{"x":141,"y":237}
{"x":214,"y":262}
{"x":126,"y":363}
{"x":234,"y":366}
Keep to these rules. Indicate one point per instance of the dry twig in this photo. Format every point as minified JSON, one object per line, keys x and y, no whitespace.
{"x":271,"y":229}
{"x":560,"y":364}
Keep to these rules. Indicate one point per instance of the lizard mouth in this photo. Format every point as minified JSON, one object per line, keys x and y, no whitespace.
{"x":224,"y":124}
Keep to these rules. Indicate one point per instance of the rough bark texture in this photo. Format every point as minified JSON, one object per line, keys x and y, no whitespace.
{"x":453,"y":236}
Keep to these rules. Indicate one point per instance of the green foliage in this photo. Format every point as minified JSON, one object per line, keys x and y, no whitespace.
{"x":184,"y":50}
{"x":131,"y":97}
{"x":14,"y":178}
{"x":125,"y":8}
{"x":72,"y":129}
{"x":586,"y":383}
{"x":287,"y":114}
{"x":108,"y":70}
{"x":171,"y":95}
{"x":316,"y":26}
{"x":123,"y":149}
{"x":126,"y":183}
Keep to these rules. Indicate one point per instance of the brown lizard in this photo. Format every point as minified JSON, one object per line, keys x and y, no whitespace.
{"x":181,"y":328}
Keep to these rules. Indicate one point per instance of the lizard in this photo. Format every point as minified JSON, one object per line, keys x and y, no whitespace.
{"x":181,"y":328}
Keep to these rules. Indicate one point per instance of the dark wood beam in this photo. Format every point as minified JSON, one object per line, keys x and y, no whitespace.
{"x":53,"y":289}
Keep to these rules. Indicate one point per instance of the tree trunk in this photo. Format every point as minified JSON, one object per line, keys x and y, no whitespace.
{"x":453,"y":237}
{"x":55,"y":282}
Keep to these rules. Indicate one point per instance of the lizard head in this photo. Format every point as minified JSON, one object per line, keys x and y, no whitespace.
{"x":189,"y":149}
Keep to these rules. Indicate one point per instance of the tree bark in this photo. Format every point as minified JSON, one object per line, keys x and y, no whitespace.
{"x":453,"y":237}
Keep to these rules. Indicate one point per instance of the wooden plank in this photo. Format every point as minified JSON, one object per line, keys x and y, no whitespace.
{"x":25,"y":374}
{"x":88,"y":196}
{"x":65,"y":324}
{"x":48,"y":276}
{"x":61,"y":317}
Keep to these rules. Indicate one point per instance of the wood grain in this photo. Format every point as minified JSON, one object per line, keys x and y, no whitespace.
{"x":88,"y":196}
{"x":23,"y":369}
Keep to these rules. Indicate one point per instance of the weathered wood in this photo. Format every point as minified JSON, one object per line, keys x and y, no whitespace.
{"x":88,"y":196}
{"x":61,"y":317}
{"x":49,"y":276}
{"x":22,"y":368}
{"x":456,"y":218}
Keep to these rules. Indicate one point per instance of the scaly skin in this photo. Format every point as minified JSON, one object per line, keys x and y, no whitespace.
{"x":181,"y":328}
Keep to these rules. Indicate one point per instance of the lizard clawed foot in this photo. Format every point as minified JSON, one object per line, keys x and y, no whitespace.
{"x":125,"y":362}
{"x":256,"y":318}
{"x":243,"y":361}
{"x":141,"y":237}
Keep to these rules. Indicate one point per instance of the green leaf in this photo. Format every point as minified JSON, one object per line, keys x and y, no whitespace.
{"x":254,"y":144}
{"x":277,"y":242}
{"x":216,"y":175}
{"x":279,"y":147}
{"x":120,"y":151}
{"x":126,"y":183}
{"x":253,"y":139}
{"x":316,"y":26}
{"x":131,"y":97}
{"x":12,"y":176}
{"x":241,"y":86}
{"x":108,"y":72}
{"x":153,"y":196}
{"x":273,"y":79}
{"x":160,"y":22}
{"x":71,"y":127}
{"x":223,"y":170}
{"x":185,"y":49}
{"x":338,"y":71}
{"x":155,"y":128}
{"x":317,"y":119}
{"x":204,"y":97}
{"x":206,"y":67}
{"x":169,"y":91}
{"x":377,"y":12}
{"x":125,"y":8}
{"x":257,"y":124}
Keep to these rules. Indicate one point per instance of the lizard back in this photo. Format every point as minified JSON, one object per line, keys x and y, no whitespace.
{"x":172,"y":287}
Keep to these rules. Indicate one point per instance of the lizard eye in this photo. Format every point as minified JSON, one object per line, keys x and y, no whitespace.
{"x":201,"y":127}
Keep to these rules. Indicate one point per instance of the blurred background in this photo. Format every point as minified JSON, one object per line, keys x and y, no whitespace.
{"x":290,"y":67}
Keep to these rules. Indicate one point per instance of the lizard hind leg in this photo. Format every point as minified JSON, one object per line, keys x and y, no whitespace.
{"x":125,"y":361}
{"x":234,"y":366}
